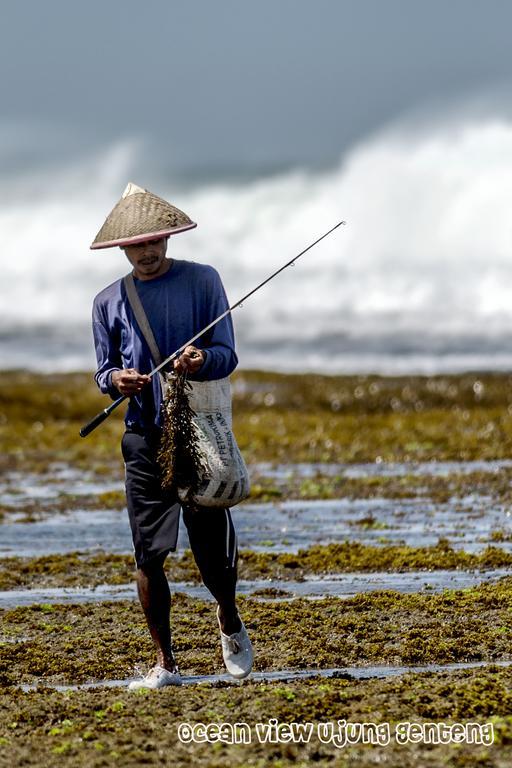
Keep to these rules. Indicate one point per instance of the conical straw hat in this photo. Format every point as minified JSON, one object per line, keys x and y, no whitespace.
{"x":139,"y":216}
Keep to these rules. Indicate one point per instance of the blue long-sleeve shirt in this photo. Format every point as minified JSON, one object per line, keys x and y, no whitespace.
{"x":178,"y":304}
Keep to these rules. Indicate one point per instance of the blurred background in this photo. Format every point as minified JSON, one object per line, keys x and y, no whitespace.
{"x":267,"y":123}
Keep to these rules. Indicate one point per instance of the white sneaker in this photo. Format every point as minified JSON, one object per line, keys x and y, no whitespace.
{"x":158,"y":677}
{"x":237,"y":651}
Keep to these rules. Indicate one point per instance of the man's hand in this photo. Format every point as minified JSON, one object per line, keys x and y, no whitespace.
{"x":190,"y":360}
{"x":129,"y":381}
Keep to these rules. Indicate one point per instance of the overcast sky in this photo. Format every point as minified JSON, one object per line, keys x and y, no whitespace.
{"x":236,"y":85}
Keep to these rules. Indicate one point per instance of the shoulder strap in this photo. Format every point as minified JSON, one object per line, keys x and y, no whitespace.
{"x":141,"y":317}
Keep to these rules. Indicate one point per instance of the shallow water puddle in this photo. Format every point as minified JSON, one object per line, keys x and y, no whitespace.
{"x":349,"y":673}
{"x":379,"y":469}
{"x":342,"y":585}
{"x":84,"y":530}
{"x":16,"y":488}
{"x":416,"y":522}
{"x":286,"y":526}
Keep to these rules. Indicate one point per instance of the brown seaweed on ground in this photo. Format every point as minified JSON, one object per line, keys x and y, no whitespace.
{"x":181,"y":461}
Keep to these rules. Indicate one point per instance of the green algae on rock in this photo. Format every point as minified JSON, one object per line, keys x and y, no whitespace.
{"x":378,"y":627}
{"x":91,"y":570}
{"x":109,"y":727}
{"x":277,"y":417}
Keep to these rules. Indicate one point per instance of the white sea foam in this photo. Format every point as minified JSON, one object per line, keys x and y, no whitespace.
{"x":418,"y":279}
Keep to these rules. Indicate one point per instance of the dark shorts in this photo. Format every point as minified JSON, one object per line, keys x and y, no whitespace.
{"x":154,"y":513}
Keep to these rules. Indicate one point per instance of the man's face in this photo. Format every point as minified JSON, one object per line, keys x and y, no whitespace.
{"x":148,"y":259}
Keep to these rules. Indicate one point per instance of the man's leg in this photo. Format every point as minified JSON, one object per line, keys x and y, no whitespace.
{"x":154,"y":520}
{"x":213,"y":542}
{"x":155,"y":599}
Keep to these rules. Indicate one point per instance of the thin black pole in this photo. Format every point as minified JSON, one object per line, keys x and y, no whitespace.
{"x":102,"y":415}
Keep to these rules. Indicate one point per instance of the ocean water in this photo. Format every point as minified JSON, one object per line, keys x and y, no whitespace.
{"x":419,"y":279}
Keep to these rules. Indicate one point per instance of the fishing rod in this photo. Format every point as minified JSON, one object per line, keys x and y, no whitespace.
{"x":102,"y":415}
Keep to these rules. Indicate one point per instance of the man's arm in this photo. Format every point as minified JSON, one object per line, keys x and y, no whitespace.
{"x":111,"y":377}
{"x":108,"y":356}
{"x":218,"y":345}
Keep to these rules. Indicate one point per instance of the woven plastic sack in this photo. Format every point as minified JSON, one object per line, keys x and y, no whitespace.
{"x":226,"y":481}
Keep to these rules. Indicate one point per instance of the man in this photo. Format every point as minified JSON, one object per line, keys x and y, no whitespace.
{"x":179,"y":298}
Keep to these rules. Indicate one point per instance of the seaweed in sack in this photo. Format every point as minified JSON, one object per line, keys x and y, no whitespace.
{"x":181,"y":461}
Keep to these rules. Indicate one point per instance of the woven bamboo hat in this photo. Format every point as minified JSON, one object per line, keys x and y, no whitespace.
{"x":140,"y":216}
